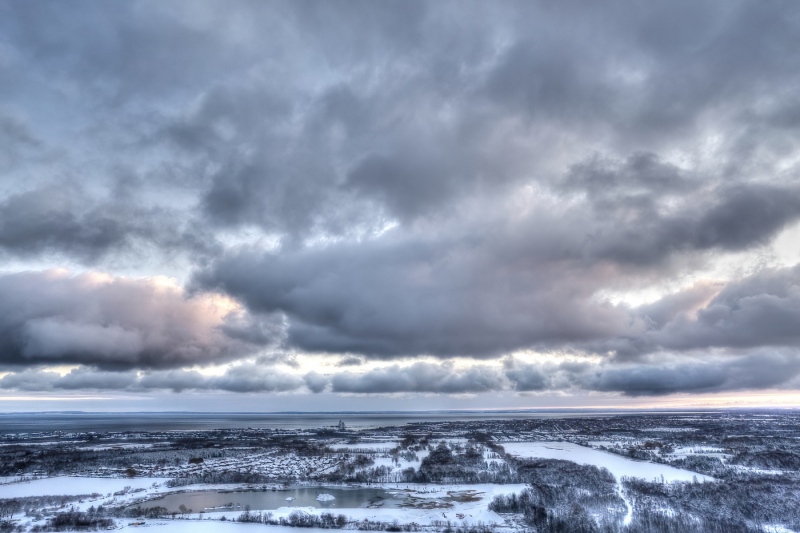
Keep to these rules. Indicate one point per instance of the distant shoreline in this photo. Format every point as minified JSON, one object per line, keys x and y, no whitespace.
{"x":161,"y":421}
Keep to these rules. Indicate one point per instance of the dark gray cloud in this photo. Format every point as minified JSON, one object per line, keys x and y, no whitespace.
{"x":679,"y":305}
{"x":243,"y":378}
{"x":39,"y":220}
{"x":759,"y":310}
{"x":666,"y":374}
{"x":644,"y":211}
{"x":52,"y":317}
{"x":764,"y":370}
{"x":84,"y":378}
{"x":350,"y":360}
{"x":255,"y":378}
{"x":662,"y":375}
{"x":16,"y":142}
{"x":316,"y":382}
{"x":526,"y":377}
{"x":63,"y":221}
{"x":420,"y":377}
{"x":476,"y":292}
{"x":407,"y":298}
{"x":395,"y":179}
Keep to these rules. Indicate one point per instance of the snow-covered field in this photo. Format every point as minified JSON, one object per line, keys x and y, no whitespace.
{"x":616,"y":464}
{"x":459,"y":504}
{"x":73,"y":486}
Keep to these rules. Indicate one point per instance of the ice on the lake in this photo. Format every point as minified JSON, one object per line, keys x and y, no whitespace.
{"x":325,"y":497}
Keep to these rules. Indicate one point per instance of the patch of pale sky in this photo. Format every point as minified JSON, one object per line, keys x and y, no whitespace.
{"x":782,"y":252}
{"x":787,"y":246}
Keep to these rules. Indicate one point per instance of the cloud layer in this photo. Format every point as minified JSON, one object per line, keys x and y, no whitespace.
{"x":417,"y":191}
{"x":53,"y":317}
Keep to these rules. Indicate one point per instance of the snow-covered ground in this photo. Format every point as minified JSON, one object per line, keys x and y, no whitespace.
{"x":461,"y":504}
{"x":616,"y":464}
{"x":213,"y":526}
{"x":777,"y":528}
{"x":73,"y":486}
{"x":427,"y":504}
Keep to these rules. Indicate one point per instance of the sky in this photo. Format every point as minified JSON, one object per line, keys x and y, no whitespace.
{"x":270,"y":206}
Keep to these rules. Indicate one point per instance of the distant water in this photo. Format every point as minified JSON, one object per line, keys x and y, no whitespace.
{"x":179,"y":421}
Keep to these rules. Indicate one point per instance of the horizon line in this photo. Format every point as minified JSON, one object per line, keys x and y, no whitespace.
{"x":426,"y":411}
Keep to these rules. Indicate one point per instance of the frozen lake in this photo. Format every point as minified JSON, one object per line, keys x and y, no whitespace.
{"x":271,"y":500}
{"x":616,"y":464}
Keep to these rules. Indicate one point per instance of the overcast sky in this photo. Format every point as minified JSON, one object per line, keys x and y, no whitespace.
{"x":367,"y":205}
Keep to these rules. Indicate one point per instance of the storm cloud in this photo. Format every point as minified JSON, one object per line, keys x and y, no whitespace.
{"x":244,"y":378}
{"x":58,"y":318}
{"x":418,"y":194}
{"x":759,"y":310}
{"x":420,"y":377}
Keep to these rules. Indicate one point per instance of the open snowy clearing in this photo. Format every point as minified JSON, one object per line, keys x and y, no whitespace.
{"x":72,"y":486}
{"x":616,"y":464}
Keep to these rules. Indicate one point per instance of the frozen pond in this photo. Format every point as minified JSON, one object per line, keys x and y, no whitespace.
{"x":270,"y":500}
{"x":616,"y":464}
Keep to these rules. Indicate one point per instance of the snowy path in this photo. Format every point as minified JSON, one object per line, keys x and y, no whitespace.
{"x":629,"y":513}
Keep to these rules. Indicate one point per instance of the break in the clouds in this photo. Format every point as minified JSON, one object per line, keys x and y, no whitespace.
{"x":421,"y":197}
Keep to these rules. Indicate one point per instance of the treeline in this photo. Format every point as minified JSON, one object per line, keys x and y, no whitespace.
{"x":33,"y":505}
{"x":142,"y":512}
{"x":656,"y":521}
{"x":743,"y":502}
{"x":768,"y":459}
{"x":8,"y":508}
{"x":297,"y":518}
{"x":52,"y":460}
{"x":578,"y":518}
{"x":568,"y":498}
{"x":562,"y":492}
